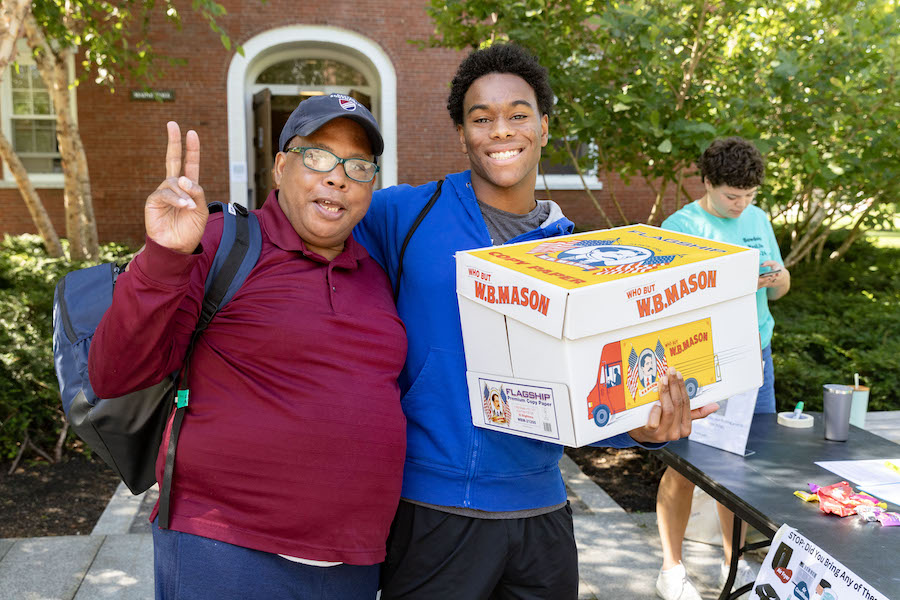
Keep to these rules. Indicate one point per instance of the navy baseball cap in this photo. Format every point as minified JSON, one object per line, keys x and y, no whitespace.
{"x":318,"y":110}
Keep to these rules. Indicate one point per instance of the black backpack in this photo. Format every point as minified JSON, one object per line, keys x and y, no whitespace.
{"x":126,"y":432}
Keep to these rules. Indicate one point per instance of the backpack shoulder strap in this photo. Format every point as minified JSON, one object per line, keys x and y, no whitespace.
{"x":236,"y":255}
{"x":412,"y":230}
{"x":238,"y":251}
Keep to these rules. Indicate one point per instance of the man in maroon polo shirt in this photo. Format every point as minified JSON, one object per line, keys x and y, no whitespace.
{"x":291,"y":453}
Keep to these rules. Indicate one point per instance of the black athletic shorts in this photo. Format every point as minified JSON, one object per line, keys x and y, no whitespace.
{"x":433,"y":555}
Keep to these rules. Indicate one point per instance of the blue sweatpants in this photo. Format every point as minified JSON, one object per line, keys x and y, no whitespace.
{"x":190,"y":567}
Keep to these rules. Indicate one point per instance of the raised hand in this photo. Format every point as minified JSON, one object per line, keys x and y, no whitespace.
{"x":671,"y":419}
{"x":175,"y":214}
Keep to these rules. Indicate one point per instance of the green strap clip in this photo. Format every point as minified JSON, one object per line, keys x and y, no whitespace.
{"x":181,"y":399}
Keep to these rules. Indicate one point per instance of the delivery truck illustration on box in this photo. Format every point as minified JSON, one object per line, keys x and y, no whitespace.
{"x":630,"y":369}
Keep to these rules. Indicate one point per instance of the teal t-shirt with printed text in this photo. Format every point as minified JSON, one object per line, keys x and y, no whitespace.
{"x":752,"y":229}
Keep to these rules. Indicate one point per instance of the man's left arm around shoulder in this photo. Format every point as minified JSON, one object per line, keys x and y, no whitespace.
{"x":668,"y":421}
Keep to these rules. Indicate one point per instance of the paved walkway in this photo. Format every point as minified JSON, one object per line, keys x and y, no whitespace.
{"x":619,"y":553}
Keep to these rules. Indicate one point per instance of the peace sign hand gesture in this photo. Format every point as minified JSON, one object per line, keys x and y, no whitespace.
{"x":175,"y":214}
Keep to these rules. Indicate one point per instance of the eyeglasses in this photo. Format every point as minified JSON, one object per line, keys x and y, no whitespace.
{"x":323,"y":161}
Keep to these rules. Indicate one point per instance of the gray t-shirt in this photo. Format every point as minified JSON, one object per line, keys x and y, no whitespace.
{"x":504,"y":226}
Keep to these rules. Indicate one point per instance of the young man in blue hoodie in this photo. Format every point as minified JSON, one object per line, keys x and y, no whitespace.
{"x":483,"y":514}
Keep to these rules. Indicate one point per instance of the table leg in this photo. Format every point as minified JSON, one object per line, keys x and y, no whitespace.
{"x":736,"y":550}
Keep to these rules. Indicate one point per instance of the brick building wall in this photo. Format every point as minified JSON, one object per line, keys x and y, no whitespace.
{"x":125,"y":139}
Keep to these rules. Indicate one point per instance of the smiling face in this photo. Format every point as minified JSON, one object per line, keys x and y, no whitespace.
{"x":324,"y":207}
{"x":502,"y":133}
{"x":727,"y":202}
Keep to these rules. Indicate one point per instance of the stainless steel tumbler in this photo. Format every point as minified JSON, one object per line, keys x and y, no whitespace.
{"x":837,"y":400}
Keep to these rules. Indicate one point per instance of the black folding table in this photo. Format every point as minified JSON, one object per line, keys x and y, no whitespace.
{"x":759,"y":490}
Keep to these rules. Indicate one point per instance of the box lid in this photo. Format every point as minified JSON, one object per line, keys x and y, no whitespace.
{"x":639,"y":271}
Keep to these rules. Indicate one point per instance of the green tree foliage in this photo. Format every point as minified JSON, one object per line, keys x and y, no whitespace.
{"x":29,"y":392}
{"x":827,"y":102}
{"x":111,"y":41}
{"x":647,"y":85}
{"x":841,"y":318}
{"x":113,"y":36}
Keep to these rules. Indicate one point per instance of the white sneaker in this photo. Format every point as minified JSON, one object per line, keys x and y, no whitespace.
{"x":673,"y":584}
{"x":745,"y":574}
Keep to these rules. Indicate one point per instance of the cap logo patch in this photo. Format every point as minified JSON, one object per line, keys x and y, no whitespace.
{"x":348,"y":105}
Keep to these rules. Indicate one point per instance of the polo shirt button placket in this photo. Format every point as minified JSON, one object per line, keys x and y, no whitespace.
{"x":329,"y":273}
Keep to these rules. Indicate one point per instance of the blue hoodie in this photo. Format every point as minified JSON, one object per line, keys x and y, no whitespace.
{"x":449,"y":461}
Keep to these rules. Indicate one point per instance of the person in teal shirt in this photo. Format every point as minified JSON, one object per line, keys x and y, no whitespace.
{"x":732,"y":170}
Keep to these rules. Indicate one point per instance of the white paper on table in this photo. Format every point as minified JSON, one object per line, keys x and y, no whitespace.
{"x":889,"y":492}
{"x":863,"y":472}
{"x":796,"y":568}
{"x":728,"y":427}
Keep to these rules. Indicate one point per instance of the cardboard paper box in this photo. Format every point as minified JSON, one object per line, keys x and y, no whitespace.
{"x":566,"y":338}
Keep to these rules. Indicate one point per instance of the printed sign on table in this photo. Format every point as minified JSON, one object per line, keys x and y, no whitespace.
{"x":797,"y":569}
{"x":729,"y":427}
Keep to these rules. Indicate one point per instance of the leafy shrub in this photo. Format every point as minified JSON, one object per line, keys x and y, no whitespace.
{"x":840,"y":318}
{"x":29,"y":392}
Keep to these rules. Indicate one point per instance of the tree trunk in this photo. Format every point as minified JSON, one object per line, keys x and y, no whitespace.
{"x":679,"y":188}
{"x":612,"y":194}
{"x":32,"y":200}
{"x":657,"y":209}
{"x":584,"y":184}
{"x":81,"y":227}
{"x":12,"y":15}
{"x":820,"y":245}
{"x":854,"y":233}
{"x":696,"y":52}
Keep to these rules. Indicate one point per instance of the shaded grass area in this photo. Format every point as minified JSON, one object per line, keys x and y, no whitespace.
{"x":840,"y":318}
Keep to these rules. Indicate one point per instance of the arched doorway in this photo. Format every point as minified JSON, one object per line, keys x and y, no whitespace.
{"x":284,"y":84}
{"x":279,"y":69}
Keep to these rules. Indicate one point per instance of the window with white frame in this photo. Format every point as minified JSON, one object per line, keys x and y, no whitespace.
{"x":562,"y":175}
{"x":313,"y":72}
{"x":28,"y":120}
{"x":33,"y":122}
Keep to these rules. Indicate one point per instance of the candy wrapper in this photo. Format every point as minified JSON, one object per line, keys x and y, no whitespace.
{"x":827,"y":504}
{"x":835,"y":499}
{"x":889,"y":519}
{"x":841,"y":500}
{"x":806,"y":497}
{"x":863,"y":498}
{"x":869,"y":513}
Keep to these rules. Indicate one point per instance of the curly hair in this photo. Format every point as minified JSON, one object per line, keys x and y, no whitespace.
{"x":734,"y":162}
{"x":499,"y":58}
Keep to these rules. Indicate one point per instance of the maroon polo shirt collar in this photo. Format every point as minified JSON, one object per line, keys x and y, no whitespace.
{"x":281,"y":233}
